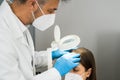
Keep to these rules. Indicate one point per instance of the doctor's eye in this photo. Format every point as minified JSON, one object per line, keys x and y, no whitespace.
{"x":52,"y":10}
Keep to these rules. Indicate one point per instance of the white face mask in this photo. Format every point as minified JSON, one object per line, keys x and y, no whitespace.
{"x":73,"y":76}
{"x":43,"y":22}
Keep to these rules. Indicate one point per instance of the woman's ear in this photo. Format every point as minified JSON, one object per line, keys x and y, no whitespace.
{"x":88,"y":73}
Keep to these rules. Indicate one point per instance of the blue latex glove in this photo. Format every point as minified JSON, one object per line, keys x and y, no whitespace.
{"x":57,"y":53}
{"x":70,"y":50}
{"x":66,"y":63}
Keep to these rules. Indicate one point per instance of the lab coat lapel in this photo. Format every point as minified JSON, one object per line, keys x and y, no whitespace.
{"x":16,"y":31}
{"x":30,"y":41}
{"x":20,"y":43}
{"x":10,"y":20}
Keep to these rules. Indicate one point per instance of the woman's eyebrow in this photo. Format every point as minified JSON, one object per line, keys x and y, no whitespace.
{"x":76,"y":68}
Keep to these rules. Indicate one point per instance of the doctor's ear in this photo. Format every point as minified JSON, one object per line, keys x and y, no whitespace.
{"x":32,"y":5}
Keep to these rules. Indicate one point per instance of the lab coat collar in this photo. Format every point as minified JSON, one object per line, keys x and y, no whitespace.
{"x":14,"y":24}
{"x":12,"y":20}
{"x":21,"y":26}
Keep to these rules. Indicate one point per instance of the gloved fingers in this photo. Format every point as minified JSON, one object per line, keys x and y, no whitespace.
{"x":75,"y":55}
{"x":60,"y":52}
{"x":70,"y":50}
{"x":55,"y":50}
{"x":75,"y":60}
{"x":67,"y":54}
{"x":63,"y":52}
{"x":76,"y":64}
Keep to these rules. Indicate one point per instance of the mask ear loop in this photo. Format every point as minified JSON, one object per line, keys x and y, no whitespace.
{"x":39,"y":7}
{"x":33,"y":15}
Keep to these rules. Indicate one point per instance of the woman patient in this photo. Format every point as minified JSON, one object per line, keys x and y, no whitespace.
{"x":86,"y":70}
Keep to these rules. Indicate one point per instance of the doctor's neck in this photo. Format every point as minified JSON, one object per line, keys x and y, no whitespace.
{"x":22,"y":11}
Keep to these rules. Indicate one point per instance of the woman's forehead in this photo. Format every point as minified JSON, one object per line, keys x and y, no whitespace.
{"x":81,"y":67}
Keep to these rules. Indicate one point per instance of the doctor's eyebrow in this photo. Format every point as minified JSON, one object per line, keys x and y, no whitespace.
{"x":64,"y":0}
{"x":52,"y":10}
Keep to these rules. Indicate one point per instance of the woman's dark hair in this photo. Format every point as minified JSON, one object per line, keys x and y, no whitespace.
{"x":88,"y":61}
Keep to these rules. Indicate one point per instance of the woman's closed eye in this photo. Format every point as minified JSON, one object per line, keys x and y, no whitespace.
{"x":76,"y":69}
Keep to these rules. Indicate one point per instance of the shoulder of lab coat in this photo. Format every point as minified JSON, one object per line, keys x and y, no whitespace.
{"x":51,"y":74}
{"x":9,"y":64}
{"x":9,"y":59}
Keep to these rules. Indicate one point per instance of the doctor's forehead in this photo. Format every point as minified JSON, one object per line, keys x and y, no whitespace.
{"x":45,"y":1}
{"x":42,"y":1}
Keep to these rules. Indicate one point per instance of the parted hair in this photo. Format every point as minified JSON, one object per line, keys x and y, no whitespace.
{"x":88,"y":61}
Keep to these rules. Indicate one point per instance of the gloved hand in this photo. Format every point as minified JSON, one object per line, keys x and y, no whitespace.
{"x":70,"y":50}
{"x":67,"y":62}
{"x":57,"y":53}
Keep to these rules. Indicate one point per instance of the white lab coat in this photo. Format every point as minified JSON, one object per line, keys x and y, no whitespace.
{"x":15,"y":52}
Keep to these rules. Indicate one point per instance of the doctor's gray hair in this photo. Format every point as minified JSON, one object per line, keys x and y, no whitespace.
{"x":40,"y":1}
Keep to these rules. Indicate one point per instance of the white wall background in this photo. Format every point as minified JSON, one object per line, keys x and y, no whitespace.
{"x":97,"y":22}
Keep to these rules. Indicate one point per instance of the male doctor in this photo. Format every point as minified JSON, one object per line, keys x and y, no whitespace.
{"x":17,"y":56}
